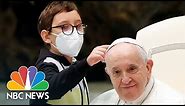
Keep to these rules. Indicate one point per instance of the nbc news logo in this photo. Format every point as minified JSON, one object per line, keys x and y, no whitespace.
{"x":27,"y":79}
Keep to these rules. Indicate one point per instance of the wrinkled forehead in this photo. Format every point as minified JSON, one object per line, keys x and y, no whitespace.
{"x":121,"y":55}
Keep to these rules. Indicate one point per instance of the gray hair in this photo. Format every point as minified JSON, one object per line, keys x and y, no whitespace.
{"x":142,"y":53}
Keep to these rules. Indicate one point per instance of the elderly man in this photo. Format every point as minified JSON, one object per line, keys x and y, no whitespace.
{"x":130,"y":72}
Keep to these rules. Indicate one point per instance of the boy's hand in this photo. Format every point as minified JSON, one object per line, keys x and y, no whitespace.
{"x":97,"y":55}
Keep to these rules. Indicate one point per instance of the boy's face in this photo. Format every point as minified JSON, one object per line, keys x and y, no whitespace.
{"x":63,"y":18}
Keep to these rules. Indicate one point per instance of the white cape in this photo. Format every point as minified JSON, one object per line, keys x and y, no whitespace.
{"x":156,"y":93}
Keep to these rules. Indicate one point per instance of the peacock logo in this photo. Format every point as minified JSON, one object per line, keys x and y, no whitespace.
{"x":27,"y":79}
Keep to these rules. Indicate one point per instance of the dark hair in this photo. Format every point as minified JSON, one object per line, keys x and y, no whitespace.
{"x":46,"y":17}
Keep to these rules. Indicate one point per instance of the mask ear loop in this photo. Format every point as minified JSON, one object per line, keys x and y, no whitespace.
{"x":54,"y":34}
{"x":53,"y":45}
{"x":51,"y":42}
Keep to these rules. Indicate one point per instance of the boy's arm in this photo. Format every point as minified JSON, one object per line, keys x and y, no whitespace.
{"x":61,"y":82}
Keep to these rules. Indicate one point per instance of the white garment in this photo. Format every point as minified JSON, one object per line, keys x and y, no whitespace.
{"x":156,"y":93}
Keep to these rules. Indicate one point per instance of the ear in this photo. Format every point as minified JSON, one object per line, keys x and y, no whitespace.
{"x":45,"y":36}
{"x":149,"y":65}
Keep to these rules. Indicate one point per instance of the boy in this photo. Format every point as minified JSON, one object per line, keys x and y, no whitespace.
{"x":60,"y":27}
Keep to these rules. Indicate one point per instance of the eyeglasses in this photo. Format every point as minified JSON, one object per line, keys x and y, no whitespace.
{"x":68,"y":29}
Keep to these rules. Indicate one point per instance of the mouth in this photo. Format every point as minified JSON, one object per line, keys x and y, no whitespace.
{"x":128,"y":86}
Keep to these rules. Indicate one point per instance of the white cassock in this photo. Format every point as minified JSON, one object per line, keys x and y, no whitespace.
{"x":155,"y":93}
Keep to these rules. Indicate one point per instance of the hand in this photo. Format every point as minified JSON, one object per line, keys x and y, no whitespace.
{"x":97,"y":55}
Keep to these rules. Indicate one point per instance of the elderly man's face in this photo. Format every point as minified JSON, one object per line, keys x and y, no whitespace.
{"x":128,"y":71}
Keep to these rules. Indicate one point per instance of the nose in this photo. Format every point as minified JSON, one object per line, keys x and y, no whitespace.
{"x":125,"y":79}
{"x":75,"y":30}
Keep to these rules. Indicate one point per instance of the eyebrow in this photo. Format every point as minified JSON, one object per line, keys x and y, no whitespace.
{"x":115,"y":68}
{"x":132,"y":66}
{"x":67,"y":22}
{"x":63,"y":22}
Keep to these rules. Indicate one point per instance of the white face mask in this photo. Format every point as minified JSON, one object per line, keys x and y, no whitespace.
{"x":69,"y":45}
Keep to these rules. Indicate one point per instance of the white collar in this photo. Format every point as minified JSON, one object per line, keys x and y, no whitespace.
{"x":143,"y":96}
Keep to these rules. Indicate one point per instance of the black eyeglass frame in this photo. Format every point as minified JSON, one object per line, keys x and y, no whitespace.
{"x":62,"y":26}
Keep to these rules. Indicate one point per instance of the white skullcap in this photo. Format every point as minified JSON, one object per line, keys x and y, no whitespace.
{"x":124,"y":40}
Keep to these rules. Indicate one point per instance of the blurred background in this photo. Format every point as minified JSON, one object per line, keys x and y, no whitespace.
{"x":107,"y":20}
